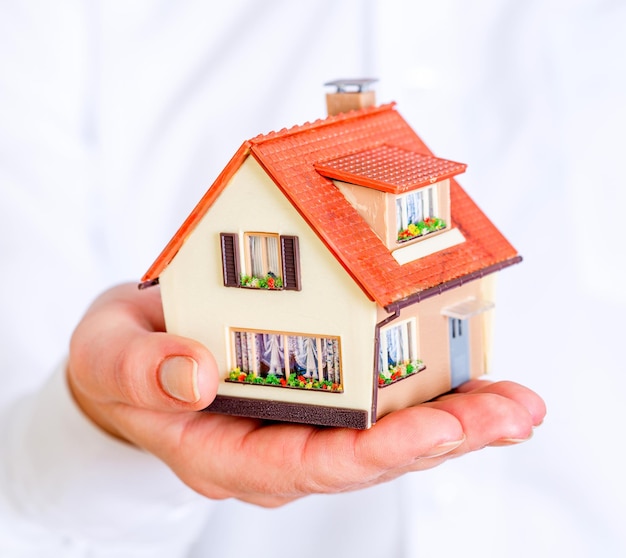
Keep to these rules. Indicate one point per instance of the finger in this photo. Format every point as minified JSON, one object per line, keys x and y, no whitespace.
{"x":346,"y":460}
{"x":526,"y":397}
{"x":487,"y":418}
{"x":117,"y":357}
{"x":498,"y":432}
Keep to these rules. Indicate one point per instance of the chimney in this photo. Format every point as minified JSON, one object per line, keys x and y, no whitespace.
{"x":350,"y":94}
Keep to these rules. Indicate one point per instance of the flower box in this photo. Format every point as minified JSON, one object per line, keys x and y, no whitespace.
{"x":422,"y":228}
{"x":269,"y":282}
{"x":295,"y":381}
{"x":399,"y":372}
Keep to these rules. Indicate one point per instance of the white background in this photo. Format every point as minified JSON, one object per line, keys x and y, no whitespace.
{"x":530,"y":94}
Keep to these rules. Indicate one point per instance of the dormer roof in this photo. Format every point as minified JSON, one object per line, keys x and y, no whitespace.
{"x":389,"y":169}
{"x":299,"y":161}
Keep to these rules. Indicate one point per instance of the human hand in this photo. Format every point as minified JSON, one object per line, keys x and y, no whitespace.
{"x":145,"y":386}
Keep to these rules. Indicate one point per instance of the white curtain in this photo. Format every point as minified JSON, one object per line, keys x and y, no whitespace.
{"x":393,"y":348}
{"x":316,"y":358}
{"x":273,"y":353}
{"x":272,"y":255}
{"x":415,"y":207}
{"x":394,"y":345}
{"x":256,"y":256}
{"x":264,"y":255}
{"x":305,"y":353}
{"x":330,"y":357}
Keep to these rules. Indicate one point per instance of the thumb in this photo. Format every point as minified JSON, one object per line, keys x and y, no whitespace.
{"x":178,"y":377}
{"x":118,"y":355}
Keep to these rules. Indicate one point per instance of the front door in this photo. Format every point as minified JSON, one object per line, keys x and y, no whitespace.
{"x":459,"y":351}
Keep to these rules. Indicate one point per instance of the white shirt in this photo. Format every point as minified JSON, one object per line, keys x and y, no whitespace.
{"x":114,"y":119}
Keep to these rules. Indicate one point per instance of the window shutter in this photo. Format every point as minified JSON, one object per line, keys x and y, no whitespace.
{"x":291,"y":262}
{"x":230,"y":259}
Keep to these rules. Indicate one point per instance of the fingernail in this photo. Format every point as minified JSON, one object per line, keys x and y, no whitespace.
{"x":178,"y":376}
{"x":509,"y":441}
{"x":444,"y":448}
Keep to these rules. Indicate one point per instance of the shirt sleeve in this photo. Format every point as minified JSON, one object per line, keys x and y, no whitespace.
{"x":69,"y":485}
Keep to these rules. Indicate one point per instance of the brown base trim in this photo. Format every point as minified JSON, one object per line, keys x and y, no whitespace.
{"x":289,"y":412}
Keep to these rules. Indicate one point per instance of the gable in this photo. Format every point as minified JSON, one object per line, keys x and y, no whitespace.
{"x":330,"y":304}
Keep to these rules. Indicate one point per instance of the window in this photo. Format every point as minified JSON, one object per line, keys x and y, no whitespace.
{"x":398,"y":352}
{"x":286,"y":360}
{"x":270,"y":261}
{"x":417,"y":214}
{"x":262,"y":255}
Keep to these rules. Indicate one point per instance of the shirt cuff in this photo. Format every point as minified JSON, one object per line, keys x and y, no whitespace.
{"x":66,"y":473}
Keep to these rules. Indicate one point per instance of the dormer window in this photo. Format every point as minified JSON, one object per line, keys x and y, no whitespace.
{"x":403,"y":195}
{"x":417,"y":214}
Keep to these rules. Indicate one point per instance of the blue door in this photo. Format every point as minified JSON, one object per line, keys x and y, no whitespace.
{"x":459,"y":351}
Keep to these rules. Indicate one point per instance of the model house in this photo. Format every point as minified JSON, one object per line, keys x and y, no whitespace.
{"x":336,"y":270}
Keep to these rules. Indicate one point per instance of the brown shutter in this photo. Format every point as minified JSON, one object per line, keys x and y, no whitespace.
{"x":230,"y":259}
{"x":291,"y":262}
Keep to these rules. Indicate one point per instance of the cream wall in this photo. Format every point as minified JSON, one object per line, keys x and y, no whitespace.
{"x":197,"y":304}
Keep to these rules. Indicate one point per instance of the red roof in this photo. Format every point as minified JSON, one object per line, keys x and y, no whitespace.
{"x":344,"y":144}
